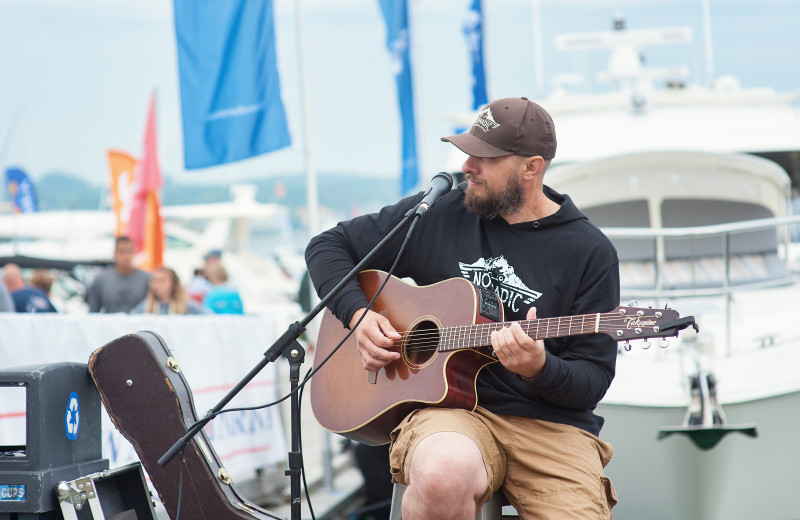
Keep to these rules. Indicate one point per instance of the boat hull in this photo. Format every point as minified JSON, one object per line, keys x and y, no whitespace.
{"x":672,"y":479}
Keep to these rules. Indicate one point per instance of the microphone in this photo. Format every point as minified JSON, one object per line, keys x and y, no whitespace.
{"x":441,"y":183}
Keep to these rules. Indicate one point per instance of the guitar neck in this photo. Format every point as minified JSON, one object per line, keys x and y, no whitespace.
{"x":475,"y":336}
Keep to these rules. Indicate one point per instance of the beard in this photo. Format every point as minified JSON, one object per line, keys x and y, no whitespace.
{"x":494,"y":204}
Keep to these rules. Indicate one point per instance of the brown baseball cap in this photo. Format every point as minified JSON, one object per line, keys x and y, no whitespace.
{"x":509,"y":126}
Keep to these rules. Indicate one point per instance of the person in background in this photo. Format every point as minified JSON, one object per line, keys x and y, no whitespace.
{"x":119,"y":288}
{"x":221,"y":298}
{"x":42,"y":280}
{"x":199,"y":285}
{"x":166,"y":296}
{"x":26,"y":298}
{"x":6,"y":303}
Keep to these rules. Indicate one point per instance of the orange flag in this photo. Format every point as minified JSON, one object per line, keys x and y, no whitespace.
{"x":122,"y":167}
{"x":146,"y":227}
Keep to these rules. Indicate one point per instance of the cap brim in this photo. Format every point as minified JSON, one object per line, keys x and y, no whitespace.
{"x":471,"y":145}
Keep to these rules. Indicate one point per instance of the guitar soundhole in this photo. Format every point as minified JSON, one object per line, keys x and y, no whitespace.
{"x":421,"y":344}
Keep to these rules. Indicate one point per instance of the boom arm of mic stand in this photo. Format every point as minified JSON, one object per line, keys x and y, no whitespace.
{"x":282,"y":344}
{"x":357,"y":269}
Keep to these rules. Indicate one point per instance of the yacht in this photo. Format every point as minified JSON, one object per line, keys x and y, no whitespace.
{"x":703,"y":424}
{"x":694,"y":184}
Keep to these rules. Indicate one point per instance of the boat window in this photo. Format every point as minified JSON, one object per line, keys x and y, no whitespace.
{"x":705,"y":212}
{"x":628,"y":213}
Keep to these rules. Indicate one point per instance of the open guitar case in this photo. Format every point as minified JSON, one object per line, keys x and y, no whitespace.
{"x":150,"y":403}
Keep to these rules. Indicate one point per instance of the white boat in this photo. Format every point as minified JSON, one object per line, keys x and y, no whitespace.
{"x":654,"y":109}
{"x":694,"y":186}
{"x":718,"y":250}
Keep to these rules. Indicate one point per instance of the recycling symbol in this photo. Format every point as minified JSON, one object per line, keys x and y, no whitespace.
{"x":72,"y":418}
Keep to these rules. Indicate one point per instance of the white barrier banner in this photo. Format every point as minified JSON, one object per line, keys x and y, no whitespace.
{"x":214,"y":352}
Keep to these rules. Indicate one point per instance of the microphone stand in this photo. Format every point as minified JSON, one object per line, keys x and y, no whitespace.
{"x":288,"y":346}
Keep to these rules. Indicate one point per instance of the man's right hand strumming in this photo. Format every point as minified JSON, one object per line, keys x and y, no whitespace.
{"x":375,"y":338}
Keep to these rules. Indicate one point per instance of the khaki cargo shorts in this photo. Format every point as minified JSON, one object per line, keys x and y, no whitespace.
{"x":547,"y":470}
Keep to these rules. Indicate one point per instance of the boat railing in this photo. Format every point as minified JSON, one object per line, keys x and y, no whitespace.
{"x":774,"y":262}
{"x":726,"y":233}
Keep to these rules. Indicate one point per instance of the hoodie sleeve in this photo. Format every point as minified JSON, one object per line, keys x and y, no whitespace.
{"x":331,"y":255}
{"x":579,"y":369}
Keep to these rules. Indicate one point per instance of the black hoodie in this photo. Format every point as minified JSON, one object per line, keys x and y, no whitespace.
{"x":561,"y":264}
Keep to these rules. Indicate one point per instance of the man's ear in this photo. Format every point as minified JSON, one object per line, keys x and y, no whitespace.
{"x":534,"y":167}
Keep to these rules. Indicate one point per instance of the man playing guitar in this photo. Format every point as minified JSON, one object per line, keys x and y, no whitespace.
{"x":533,"y":432}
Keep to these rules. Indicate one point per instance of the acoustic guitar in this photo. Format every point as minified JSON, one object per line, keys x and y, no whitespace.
{"x":446,"y":329}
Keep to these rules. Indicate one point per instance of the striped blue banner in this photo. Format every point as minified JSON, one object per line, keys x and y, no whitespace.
{"x":473,"y":32}
{"x":395,"y":13}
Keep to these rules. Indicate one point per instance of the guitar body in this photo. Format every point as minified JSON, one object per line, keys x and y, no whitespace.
{"x":446,"y":336}
{"x":364,"y":406}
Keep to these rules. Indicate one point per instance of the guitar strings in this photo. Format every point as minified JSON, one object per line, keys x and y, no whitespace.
{"x":478,"y":335}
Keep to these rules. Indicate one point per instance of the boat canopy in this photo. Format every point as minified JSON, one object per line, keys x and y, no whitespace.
{"x":676,"y":198}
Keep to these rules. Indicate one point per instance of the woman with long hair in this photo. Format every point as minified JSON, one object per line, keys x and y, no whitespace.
{"x":166,"y":296}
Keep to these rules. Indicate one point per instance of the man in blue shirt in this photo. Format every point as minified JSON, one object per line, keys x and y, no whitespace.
{"x":26,"y":298}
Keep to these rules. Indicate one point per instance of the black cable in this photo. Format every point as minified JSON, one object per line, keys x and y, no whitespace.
{"x":333,"y":351}
{"x":306,"y":379}
{"x":180,"y":485}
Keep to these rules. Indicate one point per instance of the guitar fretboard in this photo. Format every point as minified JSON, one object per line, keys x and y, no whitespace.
{"x":475,"y":336}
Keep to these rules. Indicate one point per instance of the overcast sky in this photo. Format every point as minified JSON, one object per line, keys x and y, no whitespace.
{"x":79,"y":74}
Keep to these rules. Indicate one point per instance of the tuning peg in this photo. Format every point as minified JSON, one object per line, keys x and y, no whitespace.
{"x":627,"y":346}
{"x":663,"y":343}
{"x":650,"y":305}
{"x":633,"y":303}
{"x":666,"y":306}
{"x":645,"y":344}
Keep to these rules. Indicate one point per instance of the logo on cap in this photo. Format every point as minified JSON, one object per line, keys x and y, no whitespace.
{"x":485,"y":120}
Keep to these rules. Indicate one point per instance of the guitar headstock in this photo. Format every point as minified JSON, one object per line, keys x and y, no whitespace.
{"x":626,"y":323}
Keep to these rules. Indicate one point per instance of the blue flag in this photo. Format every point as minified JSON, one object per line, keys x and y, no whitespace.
{"x":473,"y":31}
{"x":230,"y":90}
{"x":395,"y":13}
{"x":21,"y":192}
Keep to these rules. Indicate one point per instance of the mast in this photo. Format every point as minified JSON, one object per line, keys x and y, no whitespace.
{"x":709,"y":49}
{"x":5,"y":149}
{"x":537,"y":48}
{"x":12,"y":128}
{"x":312,"y":200}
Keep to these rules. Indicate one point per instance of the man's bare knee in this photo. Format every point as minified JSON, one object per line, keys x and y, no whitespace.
{"x":446,"y":477}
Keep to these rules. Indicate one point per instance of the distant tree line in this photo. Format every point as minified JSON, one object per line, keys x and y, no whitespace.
{"x":340,"y":192}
